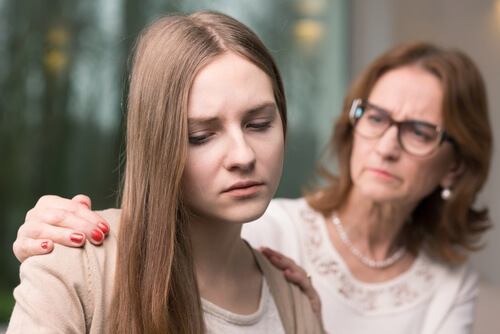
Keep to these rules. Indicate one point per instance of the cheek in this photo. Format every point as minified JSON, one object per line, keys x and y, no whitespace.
{"x":196,"y":175}
{"x":359,"y":151}
{"x":272,"y":153}
{"x":427,"y":175}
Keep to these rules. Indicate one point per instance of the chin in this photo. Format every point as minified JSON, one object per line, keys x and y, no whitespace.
{"x":382,"y":195}
{"x":249,"y":212}
{"x":234,"y":213}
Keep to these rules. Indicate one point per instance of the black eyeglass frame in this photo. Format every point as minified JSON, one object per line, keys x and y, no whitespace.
{"x":354,"y":116}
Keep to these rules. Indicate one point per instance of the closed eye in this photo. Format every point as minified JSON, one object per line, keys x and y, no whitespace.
{"x":199,"y":139}
{"x":375,"y":119}
{"x":260,"y":126}
{"x":421,"y":132}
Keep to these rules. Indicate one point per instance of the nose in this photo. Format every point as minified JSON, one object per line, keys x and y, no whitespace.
{"x":240,"y":154}
{"x":388,"y":145}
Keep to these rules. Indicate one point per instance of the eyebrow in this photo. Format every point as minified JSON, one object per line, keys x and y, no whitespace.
{"x":193,"y":121}
{"x":411,"y":120}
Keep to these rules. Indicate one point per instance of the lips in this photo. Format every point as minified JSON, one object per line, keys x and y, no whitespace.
{"x":383,"y":173}
{"x":243,"y":188}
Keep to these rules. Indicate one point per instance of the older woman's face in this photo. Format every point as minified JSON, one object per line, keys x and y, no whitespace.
{"x":380,"y":169}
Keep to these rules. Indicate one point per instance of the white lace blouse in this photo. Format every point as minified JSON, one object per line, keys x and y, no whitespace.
{"x":430,"y":297}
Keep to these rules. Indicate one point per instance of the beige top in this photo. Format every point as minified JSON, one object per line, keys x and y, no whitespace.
{"x":265,"y":320}
{"x":70,"y":290}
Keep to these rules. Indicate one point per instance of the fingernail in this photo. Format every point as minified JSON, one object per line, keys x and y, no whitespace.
{"x":103,"y":227}
{"x":85,"y":203}
{"x":45,"y":244}
{"x":76,"y":237}
{"x":97,"y":235}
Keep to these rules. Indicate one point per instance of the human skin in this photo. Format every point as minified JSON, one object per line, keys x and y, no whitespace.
{"x":233,"y":167}
{"x":381,"y":171}
{"x":385,"y":177}
{"x":389,"y":181}
{"x":236,"y":142}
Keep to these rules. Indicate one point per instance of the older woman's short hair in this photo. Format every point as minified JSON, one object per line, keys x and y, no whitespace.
{"x":449,"y":227}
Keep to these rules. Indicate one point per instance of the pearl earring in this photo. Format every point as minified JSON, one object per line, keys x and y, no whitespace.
{"x":446,"y":193}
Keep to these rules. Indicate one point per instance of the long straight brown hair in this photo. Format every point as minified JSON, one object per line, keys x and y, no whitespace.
{"x":155,"y":287}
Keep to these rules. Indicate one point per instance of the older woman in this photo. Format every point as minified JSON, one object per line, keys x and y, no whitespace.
{"x":385,"y":241}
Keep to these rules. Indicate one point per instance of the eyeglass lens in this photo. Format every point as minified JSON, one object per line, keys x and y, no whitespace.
{"x":418,"y":138}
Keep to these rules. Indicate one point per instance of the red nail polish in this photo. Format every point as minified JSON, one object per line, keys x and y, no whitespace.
{"x":76,"y":238}
{"x":45,"y":244}
{"x":97,"y":235}
{"x":84,"y":203}
{"x":103,"y":227}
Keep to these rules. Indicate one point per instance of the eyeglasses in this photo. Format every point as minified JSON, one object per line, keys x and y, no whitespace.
{"x":415,"y":137}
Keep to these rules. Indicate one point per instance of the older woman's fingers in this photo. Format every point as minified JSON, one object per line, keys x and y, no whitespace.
{"x":83,"y":199}
{"x":69,"y":227}
{"x":40,"y":226}
{"x":303,"y":280}
{"x":24,"y":248}
{"x":295,"y":274}
{"x":60,"y":220}
{"x":89,"y":223}
{"x":36,"y":237}
{"x":277,"y":259}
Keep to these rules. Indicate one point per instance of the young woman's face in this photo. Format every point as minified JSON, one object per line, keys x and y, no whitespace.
{"x":380,"y":169}
{"x":236,"y":142}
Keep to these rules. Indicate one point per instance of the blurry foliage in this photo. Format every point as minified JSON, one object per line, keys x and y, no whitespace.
{"x":51,"y":140}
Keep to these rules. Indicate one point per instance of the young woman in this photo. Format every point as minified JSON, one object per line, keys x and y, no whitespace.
{"x":385,"y":240}
{"x":205,"y":140}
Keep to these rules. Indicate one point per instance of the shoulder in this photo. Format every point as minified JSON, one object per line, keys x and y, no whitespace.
{"x":467,"y":278}
{"x":283,"y":227}
{"x":286,"y":206}
{"x":293,"y":305}
{"x":77,"y":283}
{"x":454,"y":297}
{"x":296,"y":212}
{"x":112,"y":217}
{"x":463,"y":272}
{"x":281,"y":214}
{"x":280,"y":288}
{"x":279,"y":227}
{"x":84,"y":258}
{"x":458,"y":282}
{"x":78,"y":265}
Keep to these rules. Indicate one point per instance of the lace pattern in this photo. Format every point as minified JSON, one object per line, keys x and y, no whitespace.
{"x":413,"y":286}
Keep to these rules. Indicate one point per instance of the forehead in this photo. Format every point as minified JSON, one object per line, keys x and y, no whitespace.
{"x":409,"y":92}
{"x":230,"y":82}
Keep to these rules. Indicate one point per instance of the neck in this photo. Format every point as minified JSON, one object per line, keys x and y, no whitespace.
{"x":226,"y":271}
{"x":374,"y":228}
{"x":219,"y":253}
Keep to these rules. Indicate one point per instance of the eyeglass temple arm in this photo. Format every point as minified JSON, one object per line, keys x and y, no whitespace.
{"x":352,"y":112}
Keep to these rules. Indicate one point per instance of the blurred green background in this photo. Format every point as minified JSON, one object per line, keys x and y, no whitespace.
{"x":63,"y":70}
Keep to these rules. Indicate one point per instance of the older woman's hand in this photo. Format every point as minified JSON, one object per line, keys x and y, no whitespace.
{"x":295,"y":274}
{"x":60,"y":220}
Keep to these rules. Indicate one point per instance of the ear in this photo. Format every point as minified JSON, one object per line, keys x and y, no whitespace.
{"x":451,"y":177}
